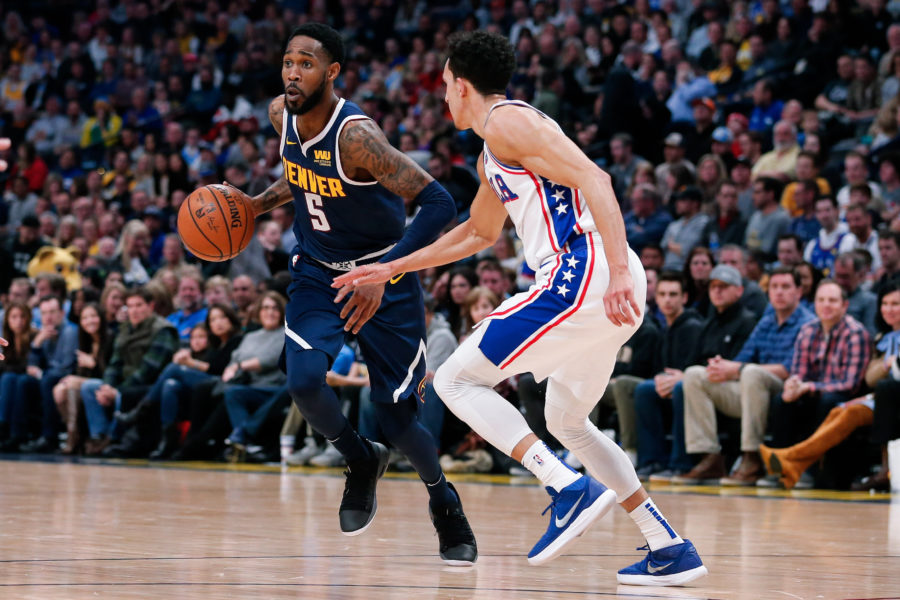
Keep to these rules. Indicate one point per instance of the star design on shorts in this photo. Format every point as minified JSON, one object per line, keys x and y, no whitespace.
{"x":558,"y":196}
{"x":568,"y":276}
{"x":561,"y":208}
{"x":573,"y":262}
{"x":562,"y":290}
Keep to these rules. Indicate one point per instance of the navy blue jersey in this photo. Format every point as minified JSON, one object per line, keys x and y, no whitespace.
{"x":337,"y":219}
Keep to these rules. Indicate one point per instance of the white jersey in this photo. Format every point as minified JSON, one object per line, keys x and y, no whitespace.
{"x":547,"y":215}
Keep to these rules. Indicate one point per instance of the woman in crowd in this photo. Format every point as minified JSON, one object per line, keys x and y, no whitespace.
{"x":697,"y":267}
{"x":253,"y":375}
{"x":461,"y":282}
{"x":18,"y":334}
{"x":95,"y":344}
{"x":809,"y":281}
{"x":478,"y":304}
{"x":132,"y":253}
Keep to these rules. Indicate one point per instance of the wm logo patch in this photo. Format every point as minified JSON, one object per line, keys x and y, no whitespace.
{"x":322,"y":157}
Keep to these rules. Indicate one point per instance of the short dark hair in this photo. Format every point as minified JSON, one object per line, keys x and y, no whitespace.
{"x":795,"y":275}
{"x":51,"y":298}
{"x":330,"y":39}
{"x":486,"y":59}
{"x":142,"y":292}
{"x":675,"y":276}
{"x":795,"y":238}
{"x":830,"y":199}
{"x":770,"y":184}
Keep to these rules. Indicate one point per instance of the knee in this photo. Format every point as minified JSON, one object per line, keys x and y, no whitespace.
{"x":643,"y":394}
{"x":445,"y":381}
{"x":306,"y":375}
{"x":694,"y":375}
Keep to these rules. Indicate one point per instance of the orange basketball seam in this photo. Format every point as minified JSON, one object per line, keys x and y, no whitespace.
{"x":224,"y":218}
{"x":197,"y":226}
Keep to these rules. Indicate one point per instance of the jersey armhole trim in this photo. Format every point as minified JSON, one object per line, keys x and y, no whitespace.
{"x":337,"y":151}
{"x":284,"y":126}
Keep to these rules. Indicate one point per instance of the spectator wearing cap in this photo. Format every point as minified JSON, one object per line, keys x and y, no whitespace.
{"x":101,"y":130}
{"x":697,"y":139}
{"x":647,"y":221}
{"x":686,"y":232}
{"x":766,"y":109}
{"x":721,"y":334}
{"x":807,"y":167}
{"x":673,"y":151}
{"x":720,"y":145}
{"x":781,"y":162}
{"x":769,"y":221}
{"x":153,"y":219}
{"x":743,"y":386}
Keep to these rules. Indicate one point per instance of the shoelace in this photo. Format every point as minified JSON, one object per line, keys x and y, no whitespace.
{"x":644,"y":547}
{"x":549,"y":506}
{"x":356,"y":490}
{"x":452,"y":528}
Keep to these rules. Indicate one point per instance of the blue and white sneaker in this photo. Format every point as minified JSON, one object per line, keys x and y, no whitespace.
{"x":573,"y":510}
{"x":674,"y":565}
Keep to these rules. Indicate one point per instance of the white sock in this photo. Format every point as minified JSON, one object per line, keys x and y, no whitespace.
{"x":546,"y":466}
{"x":654,"y":526}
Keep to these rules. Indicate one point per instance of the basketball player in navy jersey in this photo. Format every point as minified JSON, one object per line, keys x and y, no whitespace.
{"x":348,"y":186}
{"x":568,"y":328}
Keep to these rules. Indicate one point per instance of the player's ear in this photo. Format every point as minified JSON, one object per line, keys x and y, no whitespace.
{"x":334,"y":69}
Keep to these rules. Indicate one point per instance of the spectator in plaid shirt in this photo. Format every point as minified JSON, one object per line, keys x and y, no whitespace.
{"x":144,"y":346}
{"x":830,"y":359}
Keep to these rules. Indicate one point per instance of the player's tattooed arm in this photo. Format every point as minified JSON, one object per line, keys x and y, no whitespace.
{"x":366,"y":155}
{"x":276,"y":113}
{"x":275,"y":195}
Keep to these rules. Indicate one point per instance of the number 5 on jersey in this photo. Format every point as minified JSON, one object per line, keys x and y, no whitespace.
{"x":316,"y":214}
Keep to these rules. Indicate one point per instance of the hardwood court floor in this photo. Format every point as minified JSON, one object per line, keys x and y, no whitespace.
{"x":88,"y":531}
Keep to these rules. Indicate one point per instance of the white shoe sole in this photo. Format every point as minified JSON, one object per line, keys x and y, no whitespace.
{"x":673,"y":579}
{"x":584,"y":520}
{"x":459,"y":563}
{"x":362,"y":529}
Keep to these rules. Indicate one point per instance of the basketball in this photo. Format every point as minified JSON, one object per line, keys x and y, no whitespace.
{"x":215,"y":223}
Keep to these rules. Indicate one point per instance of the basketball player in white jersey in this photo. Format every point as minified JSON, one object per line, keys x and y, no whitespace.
{"x":585,"y":303}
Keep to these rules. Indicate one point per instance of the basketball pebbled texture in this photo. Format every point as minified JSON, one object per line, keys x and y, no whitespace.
{"x":214,"y":223}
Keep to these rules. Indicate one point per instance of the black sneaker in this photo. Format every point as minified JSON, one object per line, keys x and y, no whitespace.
{"x":457,"y":542}
{"x":358,"y":504}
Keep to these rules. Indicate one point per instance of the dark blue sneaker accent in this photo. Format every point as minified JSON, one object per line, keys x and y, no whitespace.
{"x":674,"y":565}
{"x":572,"y":511}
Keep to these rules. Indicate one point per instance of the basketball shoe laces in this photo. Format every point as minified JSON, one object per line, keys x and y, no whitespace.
{"x":359,"y":489}
{"x":452,"y":527}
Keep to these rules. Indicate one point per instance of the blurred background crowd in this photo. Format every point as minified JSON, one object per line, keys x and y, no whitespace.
{"x":754,"y":148}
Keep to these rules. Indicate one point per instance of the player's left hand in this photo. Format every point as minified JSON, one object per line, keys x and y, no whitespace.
{"x":621,"y":307}
{"x":361,"y":306}
{"x":364,"y":275}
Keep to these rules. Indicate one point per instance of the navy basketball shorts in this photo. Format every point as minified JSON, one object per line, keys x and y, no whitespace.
{"x":392,"y":342}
